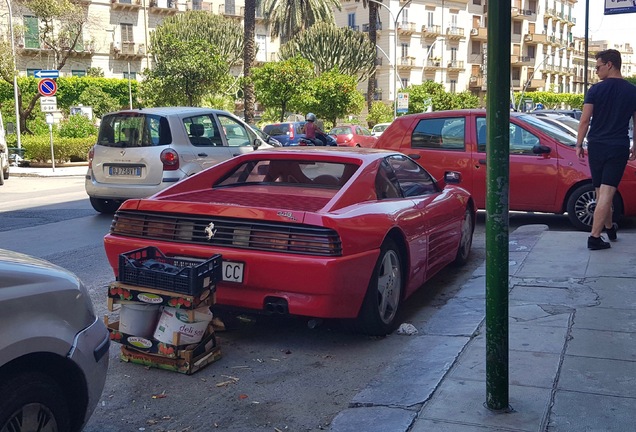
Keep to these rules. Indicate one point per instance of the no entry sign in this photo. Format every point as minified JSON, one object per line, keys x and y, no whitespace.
{"x":47,"y":87}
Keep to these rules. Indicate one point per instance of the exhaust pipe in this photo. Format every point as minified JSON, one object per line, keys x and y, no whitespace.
{"x":276,"y":305}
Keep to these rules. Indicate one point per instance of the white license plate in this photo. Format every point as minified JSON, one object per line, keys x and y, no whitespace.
{"x":125,"y":171}
{"x":233,"y":271}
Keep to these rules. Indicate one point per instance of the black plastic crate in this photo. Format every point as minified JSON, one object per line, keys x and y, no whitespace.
{"x":150,"y":268}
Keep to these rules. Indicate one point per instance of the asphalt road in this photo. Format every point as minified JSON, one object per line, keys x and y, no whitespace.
{"x":275,"y":373}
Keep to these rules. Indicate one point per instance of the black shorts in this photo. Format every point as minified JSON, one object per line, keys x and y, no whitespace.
{"x":607,"y":164}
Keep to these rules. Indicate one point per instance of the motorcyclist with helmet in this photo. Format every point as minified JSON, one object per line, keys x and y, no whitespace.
{"x":311,"y":128}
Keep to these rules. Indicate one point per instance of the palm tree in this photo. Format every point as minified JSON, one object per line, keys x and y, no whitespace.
{"x":249,"y":53}
{"x":289,"y":17}
{"x":373,"y":37}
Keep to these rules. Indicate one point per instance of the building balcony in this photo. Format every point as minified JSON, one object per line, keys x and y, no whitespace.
{"x":407,"y":28}
{"x":479,"y":33}
{"x":378,"y":27}
{"x":166,"y":7}
{"x":432,"y":64}
{"x":553,"y":40}
{"x":548,"y":68}
{"x":80,"y":49}
{"x":455,"y":66}
{"x":406,"y":63}
{"x":191,"y":6}
{"x":431,"y":31}
{"x":579,"y":78}
{"x":535,"y":84}
{"x":455,"y":33}
{"x":376,"y":96}
{"x":261,"y":60}
{"x":536,"y":38}
{"x":518,"y":60}
{"x":231,"y":11}
{"x":550,"y":13}
{"x":125,"y":5}
{"x":476,"y":82}
{"x":528,"y":14}
{"x":128,"y":50}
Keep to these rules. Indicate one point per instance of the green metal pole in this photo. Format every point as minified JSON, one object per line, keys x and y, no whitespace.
{"x":497,"y":175}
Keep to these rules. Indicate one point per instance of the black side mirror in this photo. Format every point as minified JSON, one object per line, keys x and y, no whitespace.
{"x":256,"y":144}
{"x":541,"y":149}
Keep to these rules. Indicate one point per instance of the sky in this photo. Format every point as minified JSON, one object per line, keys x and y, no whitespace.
{"x":618,"y":27}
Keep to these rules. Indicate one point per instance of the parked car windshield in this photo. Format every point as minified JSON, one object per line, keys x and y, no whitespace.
{"x":343,"y":130}
{"x":288,"y":172}
{"x":548,"y":129}
{"x":134,"y":130}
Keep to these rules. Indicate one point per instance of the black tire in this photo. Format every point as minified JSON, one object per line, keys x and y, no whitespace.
{"x":581,"y":205}
{"x":1,"y":180}
{"x":381,"y":305}
{"x":33,"y":399}
{"x":466,"y":239}
{"x":106,"y":206}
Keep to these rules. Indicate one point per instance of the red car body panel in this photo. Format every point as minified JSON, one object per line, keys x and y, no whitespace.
{"x":539,"y":183}
{"x":355,"y":136}
{"x":428,"y":226}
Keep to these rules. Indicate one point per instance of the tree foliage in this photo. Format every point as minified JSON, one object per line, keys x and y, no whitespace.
{"x":282,"y":84}
{"x":99,"y":100}
{"x":552,"y":100}
{"x":432,"y":94}
{"x":287,"y":18}
{"x":379,"y":113}
{"x":333,"y":95}
{"x":328,"y":46}
{"x":60,"y":24}
{"x":193,"y":54}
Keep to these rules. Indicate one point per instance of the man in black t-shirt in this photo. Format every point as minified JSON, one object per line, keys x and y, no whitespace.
{"x":607,"y":109}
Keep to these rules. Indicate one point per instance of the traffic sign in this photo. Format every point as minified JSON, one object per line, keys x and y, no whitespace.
{"x":46,"y":74}
{"x":48,"y":103}
{"x":47,"y":87}
{"x":403,"y":102}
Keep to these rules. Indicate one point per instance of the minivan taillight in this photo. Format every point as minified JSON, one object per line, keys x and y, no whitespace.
{"x":291,"y":131}
{"x":91,"y":153}
{"x":170,"y":160}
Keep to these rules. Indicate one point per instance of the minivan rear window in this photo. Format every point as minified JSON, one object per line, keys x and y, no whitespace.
{"x":134,"y":130}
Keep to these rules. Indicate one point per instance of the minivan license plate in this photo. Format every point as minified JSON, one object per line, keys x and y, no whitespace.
{"x":125,"y":171}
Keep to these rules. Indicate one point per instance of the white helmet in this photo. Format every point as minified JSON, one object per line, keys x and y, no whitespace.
{"x":311,"y":117}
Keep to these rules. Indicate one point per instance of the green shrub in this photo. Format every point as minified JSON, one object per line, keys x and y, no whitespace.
{"x":37,"y":148}
{"x":77,"y":126}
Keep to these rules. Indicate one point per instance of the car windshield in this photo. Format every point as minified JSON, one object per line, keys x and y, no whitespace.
{"x":134,"y":130}
{"x":548,"y":129}
{"x":277,"y":129}
{"x":290,"y":172}
{"x":344,"y":130}
{"x":379,"y":128}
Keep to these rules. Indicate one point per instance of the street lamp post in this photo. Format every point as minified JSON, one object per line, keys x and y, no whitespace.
{"x":532,"y":76}
{"x":15,"y":76}
{"x":395,"y":44}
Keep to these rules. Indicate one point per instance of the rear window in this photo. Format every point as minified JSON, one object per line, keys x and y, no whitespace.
{"x":439,"y":133}
{"x":277,"y":129}
{"x":340,"y":131}
{"x":134,"y":130}
{"x":289,"y":172}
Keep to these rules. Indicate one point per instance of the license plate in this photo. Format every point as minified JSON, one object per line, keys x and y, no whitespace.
{"x":124,"y":171}
{"x":233,"y":271}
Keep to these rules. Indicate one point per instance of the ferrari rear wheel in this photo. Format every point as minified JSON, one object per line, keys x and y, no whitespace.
{"x":466,"y":239}
{"x":382,"y":300}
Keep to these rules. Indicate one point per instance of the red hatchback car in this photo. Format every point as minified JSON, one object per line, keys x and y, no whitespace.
{"x":353,"y":136}
{"x":545,"y":173}
{"x":316,"y":232}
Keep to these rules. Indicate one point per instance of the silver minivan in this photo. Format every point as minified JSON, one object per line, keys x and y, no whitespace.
{"x":140,"y":152}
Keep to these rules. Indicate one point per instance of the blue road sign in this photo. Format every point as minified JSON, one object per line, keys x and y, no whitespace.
{"x":46,"y":74}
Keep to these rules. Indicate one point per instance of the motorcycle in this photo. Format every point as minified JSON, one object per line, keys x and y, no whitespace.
{"x":323,"y":139}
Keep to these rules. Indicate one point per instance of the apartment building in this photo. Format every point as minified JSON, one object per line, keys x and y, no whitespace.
{"x":446,"y":41}
{"x":116,"y":35}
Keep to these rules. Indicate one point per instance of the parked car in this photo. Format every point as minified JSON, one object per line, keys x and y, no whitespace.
{"x":353,"y":136}
{"x":53,"y":349}
{"x":379,"y":129}
{"x":309,"y":231}
{"x":567,"y":124}
{"x":545,"y":173}
{"x":265,"y":137}
{"x":574,"y":113}
{"x":140,"y":152}
{"x":287,"y":133}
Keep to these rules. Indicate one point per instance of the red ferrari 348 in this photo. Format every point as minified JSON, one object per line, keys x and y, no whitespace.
{"x":316,"y":232}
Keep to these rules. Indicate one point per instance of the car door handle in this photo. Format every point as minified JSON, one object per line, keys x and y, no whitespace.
{"x":482,"y":161}
{"x":235,"y":154}
{"x":202,"y":154}
{"x":414,"y":156}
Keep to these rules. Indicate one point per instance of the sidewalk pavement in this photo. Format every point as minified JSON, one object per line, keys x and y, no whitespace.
{"x":572,"y":348}
{"x":63,"y":171}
